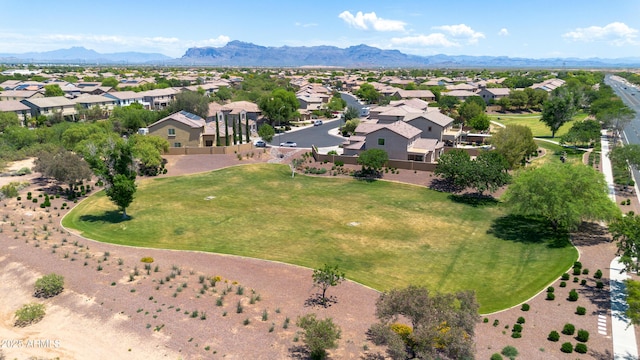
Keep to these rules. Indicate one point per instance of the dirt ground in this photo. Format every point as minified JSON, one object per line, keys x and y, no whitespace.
{"x":107,"y":311}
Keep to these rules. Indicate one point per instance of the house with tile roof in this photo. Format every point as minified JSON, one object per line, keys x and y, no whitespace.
{"x":126,"y":98}
{"x":184,"y":129}
{"x":50,"y":106}
{"x":19,"y":95}
{"x":491,"y":95}
{"x":15,"y":106}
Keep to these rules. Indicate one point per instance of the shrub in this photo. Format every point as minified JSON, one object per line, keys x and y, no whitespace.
{"x":568,"y":329}
{"x":577,"y":271}
{"x":567,"y":348}
{"x":551,"y":296}
{"x":517,"y":328}
{"x":598,"y":274}
{"x":577,"y":265}
{"x":485,"y":320}
{"x":147,"y":260}
{"x":496,"y":356}
{"x":49,"y":286}
{"x":553,"y":336}
{"x":573,"y":295}
{"x":520,"y":320}
{"x":581,"y":348}
{"x":525,"y":307}
{"x":563,"y":284}
{"x":599,"y":284}
{"x":516,"y":334}
{"x":575,"y":279}
{"x":496,"y":322}
{"x":583,"y":335}
{"x":583,"y":282}
{"x":566,"y":276}
{"x":510,"y":352}
{"x":585,"y":271}
{"x":580,"y":310}
{"x":550,"y":289}
{"x":29,"y":314}
{"x":404,"y":331}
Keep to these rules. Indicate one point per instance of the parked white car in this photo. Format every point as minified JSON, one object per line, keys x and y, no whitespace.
{"x":289,"y":144}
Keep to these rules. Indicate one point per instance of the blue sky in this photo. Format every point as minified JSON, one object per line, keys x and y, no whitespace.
{"x":514,"y":28}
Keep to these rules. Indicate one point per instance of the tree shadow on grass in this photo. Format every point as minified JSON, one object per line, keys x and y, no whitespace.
{"x":528,"y":230}
{"x":474,"y":200}
{"x":111,"y":217}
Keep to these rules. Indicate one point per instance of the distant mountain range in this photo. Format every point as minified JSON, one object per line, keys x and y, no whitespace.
{"x":238,"y":53}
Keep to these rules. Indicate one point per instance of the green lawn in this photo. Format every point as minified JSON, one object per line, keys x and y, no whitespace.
{"x":381,"y":234}
{"x":538,"y":128}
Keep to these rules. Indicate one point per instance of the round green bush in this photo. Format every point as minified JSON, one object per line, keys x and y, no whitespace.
{"x":583,"y":282}
{"x":49,"y":286}
{"x":29,"y":314}
{"x":496,"y":356}
{"x":551,"y":296}
{"x":585,"y":271}
{"x":520,"y":320}
{"x":550,"y":289}
{"x":581,"y":348}
{"x":496,"y":322}
{"x":599,"y":284}
{"x":577,"y":271}
{"x":577,"y":264}
{"x":517,"y":328}
{"x":553,"y":336}
{"x":575,"y":279}
{"x":573,"y":295}
{"x":583,"y":335}
{"x":598,"y":274}
{"x":563,"y":284}
{"x":568,"y":329}
{"x":485,"y":320}
{"x":566,"y":276}
{"x":509,"y":351}
{"x":580,"y":310}
{"x":516,"y":334}
{"x":567,"y":348}
{"x":525,"y":307}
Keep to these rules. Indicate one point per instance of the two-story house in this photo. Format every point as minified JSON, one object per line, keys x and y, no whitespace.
{"x":49,"y":106}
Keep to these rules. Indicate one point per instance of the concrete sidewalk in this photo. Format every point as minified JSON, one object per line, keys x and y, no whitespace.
{"x":624,"y":336}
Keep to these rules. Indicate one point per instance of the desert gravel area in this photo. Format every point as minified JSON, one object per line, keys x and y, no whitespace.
{"x":108,"y":312}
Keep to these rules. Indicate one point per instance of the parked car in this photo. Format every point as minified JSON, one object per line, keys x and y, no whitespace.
{"x":317,"y":123}
{"x":289,"y":144}
{"x":260,"y":143}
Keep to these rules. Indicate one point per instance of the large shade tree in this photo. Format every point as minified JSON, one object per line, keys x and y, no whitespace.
{"x":558,"y":110}
{"x":279,"y":106}
{"x":563,"y":194}
{"x":515,"y":143}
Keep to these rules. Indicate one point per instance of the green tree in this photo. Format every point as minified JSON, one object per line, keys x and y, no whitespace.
{"x":480,"y":122}
{"x":133,"y":117}
{"x":319,"y":335}
{"x":629,"y":154}
{"x":190,"y":101}
{"x":454,"y":166}
{"x":8,"y":119}
{"x":148,"y":150}
{"x":326,"y":277}
{"x":489,"y":172}
{"x":336,"y":103}
{"x":53,"y":90}
{"x":49,"y":286}
{"x":29,"y":314}
{"x":279,"y":106}
{"x":515,"y":143}
{"x":633,"y":300}
{"x":63,"y":166}
{"x":443,"y":324}
{"x":110,"y":82}
{"x":350,"y":126}
{"x":518,"y":98}
{"x":372,"y":160}
{"x":351,"y":113}
{"x":625,"y":231}
{"x":563,"y":194}
{"x":224,"y":93}
{"x":557,"y":111}
{"x":504,"y":103}
{"x":469,"y":110}
{"x":582,"y":132}
{"x":448,"y":102}
{"x":113,"y":164}
{"x":266,"y":132}
{"x":368,"y":93}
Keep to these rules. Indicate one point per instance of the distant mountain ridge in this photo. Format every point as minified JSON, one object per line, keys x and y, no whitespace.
{"x":238,"y":53}
{"x":81,"y":55}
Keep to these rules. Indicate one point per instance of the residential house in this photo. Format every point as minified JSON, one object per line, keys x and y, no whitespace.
{"x":159,"y":98}
{"x":236,"y":111}
{"x":490,"y":95}
{"x":548,"y":85}
{"x":183,"y":129}
{"x":15,"y":106}
{"x":414,"y":103}
{"x":9,"y":84}
{"x":435,"y":125}
{"x":50,"y":106}
{"x":426,"y":95}
{"x":461,"y":95}
{"x":19,"y":95}
{"x":126,"y":98}
{"x":89,"y":101}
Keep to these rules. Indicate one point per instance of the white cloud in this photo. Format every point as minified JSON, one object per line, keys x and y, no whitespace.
{"x":370,"y":20}
{"x":503,"y":32}
{"x":435,"y":39}
{"x":462,"y":31}
{"x":219,"y":41}
{"x":616,"y":33}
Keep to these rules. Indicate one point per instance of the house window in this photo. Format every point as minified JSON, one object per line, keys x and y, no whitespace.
{"x":171,"y":132}
{"x":177,"y":144}
{"x":208,"y":143}
{"x":381,"y":141}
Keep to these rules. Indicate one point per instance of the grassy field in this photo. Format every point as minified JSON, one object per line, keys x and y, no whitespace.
{"x":538,"y":128}
{"x":381,"y":234}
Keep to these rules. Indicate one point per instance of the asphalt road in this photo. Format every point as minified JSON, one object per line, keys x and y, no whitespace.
{"x":632,"y":130}
{"x":312,"y":135}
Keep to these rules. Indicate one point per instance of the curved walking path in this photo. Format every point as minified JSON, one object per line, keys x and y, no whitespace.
{"x":624,"y":337}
